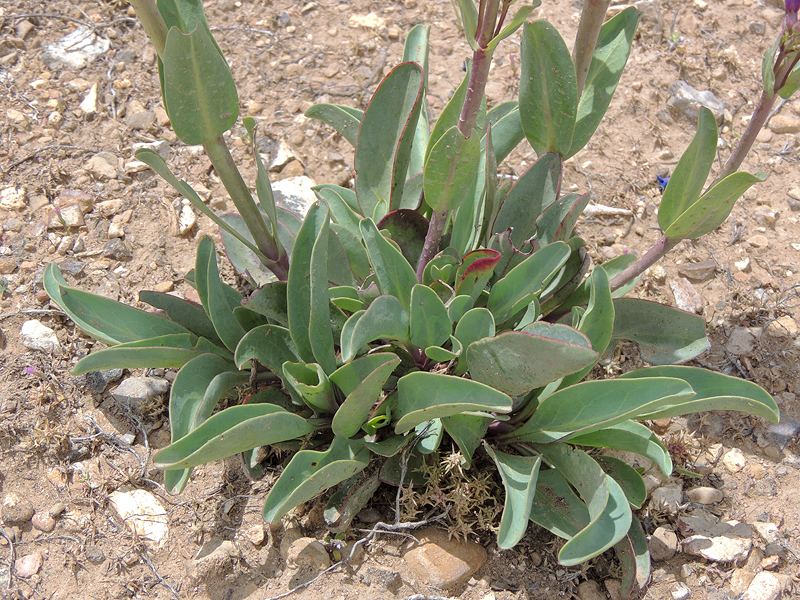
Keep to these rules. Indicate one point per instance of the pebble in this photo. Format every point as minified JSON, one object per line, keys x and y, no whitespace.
{"x":663,"y":544}
{"x":444,"y":562}
{"x":102,"y":166}
{"x":758,"y":241}
{"x":140,"y":120}
{"x":765,"y":586}
{"x":94,"y":555}
{"x":17,"y":509}
{"x":668,"y":497}
{"x":7,"y":266}
{"x":12,"y":198}
{"x":590,"y":590}
{"x":718,"y":542}
{"x":681,"y":591}
{"x":29,"y":565}
{"x":214,"y":556}
{"x":138,"y":390}
{"x":57,"y":509}
{"x":142,"y":513}
{"x":784,"y":124}
{"x":686,"y":296}
{"x":702,"y":271}
{"x":705,"y":495}
{"x":734,"y":460}
{"x":187,"y":220}
{"x":783,"y":327}
{"x":771,"y":563}
{"x":98,"y":381}
{"x":116,"y":249}
{"x":295,"y":194}
{"x":71,"y":215}
{"x":43,"y":522}
{"x":36,"y":336}
{"x":256,"y":534}
{"x":75,"y":50}
{"x":614,"y":589}
{"x":742,"y":340}
{"x":308,"y":553}
{"x":687,"y":100}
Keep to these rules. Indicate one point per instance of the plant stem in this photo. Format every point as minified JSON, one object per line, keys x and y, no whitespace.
{"x":659,"y":249}
{"x":154,"y":26}
{"x":221,"y":158}
{"x":432,"y":240}
{"x":481,"y":61}
{"x":592,"y":15}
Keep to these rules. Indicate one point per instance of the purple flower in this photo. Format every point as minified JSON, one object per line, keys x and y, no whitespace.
{"x":792,"y":6}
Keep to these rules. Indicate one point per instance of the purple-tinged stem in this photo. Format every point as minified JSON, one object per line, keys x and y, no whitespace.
{"x":592,"y":16}
{"x":652,"y":256}
{"x":432,"y":240}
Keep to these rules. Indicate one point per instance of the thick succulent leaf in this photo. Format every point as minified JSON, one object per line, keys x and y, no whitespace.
{"x":609,"y":513}
{"x":634,"y":558}
{"x":548,"y":92}
{"x":442,"y":267}
{"x":476,"y":324}
{"x":594,"y":405}
{"x":469,"y":20}
{"x":270,"y":301}
{"x":312,"y":385}
{"x":359,"y":403}
{"x":506,"y":129}
{"x":458,"y":307}
{"x":389,"y":446}
{"x":270,"y":345}
{"x":519,"y":18}
{"x":344,"y":119}
{"x":200,"y":94}
{"x":231,"y":431}
{"x":416,"y":49}
{"x":691,"y":172}
{"x":467,"y":432}
{"x":395,"y":275}
{"x":627,"y":477}
{"x":714,"y":391}
{"x":505,"y":361}
{"x":519,"y":475}
{"x":350,"y":376}
{"x":310,"y":473}
{"x":525,"y":279}
{"x":428,"y":435}
{"x":423,"y":396}
{"x":183,"y":312}
{"x":440,"y":355}
{"x":557,"y":507}
{"x":569,"y":279}
{"x":450,"y":169}
{"x":792,"y":83}
{"x":713,"y":207}
{"x":266,"y":198}
{"x":242,"y":256}
{"x":102,"y":318}
{"x":537,"y":189}
{"x":346,"y":298}
{"x":430,"y":323}
{"x":475,"y":272}
{"x":384,"y":319}
{"x":768,"y":67}
{"x":608,"y":62}
{"x":340,"y":202}
{"x":408,"y":228}
{"x":629,"y":436}
{"x":352,"y":496}
{"x":557,"y":221}
{"x":450,"y":113}
{"x":665,"y":335}
{"x":219,"y":301}
{"x":383,"y":148}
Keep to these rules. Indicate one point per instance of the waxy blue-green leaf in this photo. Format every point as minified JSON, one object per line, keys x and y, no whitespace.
{"x":665,"y":335}
{"x":352,"y":496}
{"x":628,"y":436}
{"x":102,"y":318}
{"x":310,"y":473}
{"x":519,"y":475}
{"x":231,"y":431}
{"x":714,"y":391}
{"x":219,"y":302}
{"x":476,"y":324}
{"x":199,"y":92}
{"x":467,"y":431}
{"x":608,"y":62}
{"x":416,"y":49}
{"x":713,"y":207}
{"x":346,"y":298}
{"x":627,"y":477}
{"x":383,"y":149}
{"x":768,"y":67}
{"x":312,"y":385}
{"x":270,"y":345}
{"x":558,"y":220}
{"x":424,"y":396}
{"x":395,"y":275}
{"x":537,"y":189}
{"x":428,"y":435}
{"x":246,"y":261}
{"x":525,"y":279}
{"x":270,"y":301}
{"x":450,"y":169}
{"x":458,"y":306}
{"x":408,"y":229}
{"x":469,"y":20}
{"x":556,"y":506}
{"x":344,"y":119}
{"x":183,"y":312}
{"x":506,"y":129}
{"x":548,"y":92}
{"x":505,"y":361}
{"x":594,"y":405}
{"x":439,"y":354}
{"x":357,"y":267}
{"x":691,"y":172}
{"x":384,"y":319}
{"x":568,"y":281}
{"x":519,"y":18}
{"x":266,"y":199}
{"x":359,"y":403}
{"x":430,"y":323}
{"x":348,"y":377}
{"x":792,"y":83}
{"x":634,"y":557}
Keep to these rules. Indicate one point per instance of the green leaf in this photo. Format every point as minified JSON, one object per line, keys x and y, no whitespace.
{"x":392,"y":470}
{"x":199,"y":92}
{"x":270,"y":301}
{"x":408,"y":229}
{"x":475,"y":272}
{"x":429,"y":436}
{"x":711,"y":210}
{"x":183,"y":312}
{"x":246,"y":262}
{"x":416,"y":49}
{"x":395,"y":275}
{"x":348,"y":377}
{"x":628,"y":436}
{"x":548,"y":93}
{"x":556,"y":507}
{"x":312,"y":385}
{"x":768,"y":67}
{"x":634,"y":557}
{"x":627,"y":477}
{"x":467,"y":432}
{"x":608,"y":62}
{"x":476,"y":324}
{"x":560,"y":291}
{"x":469,"y":19}
{"x":506,"y":128}
{"x":346,"y":298}
{"x":665,"y":335}
{"x":424,"y":396}
{"x":357,"y":259}
{"x":383,"y":150}
{"x":439,"y":354}
{"x":270,"y":345}
{"x":266,"y":198}
{"x":359,"y":403}
{"x":450,"y":113}
{"x":344,"y":119}
{"x":231,"y":431}
{"x":519,"y":18}
{"x":352,"y":496}
{"x":505,"y":361}
{"x":219,"y":302}
{"x":478,"y":208}
{"x":430,"y":323}
{"x":792,"y":83}
{"x":458,"y":306}
{"x":598,"y":404}
{"x":537,"y":189}
{"x":525,"y":279}
{"x":450,"y":169}
{"x":558,"y":220}
{"x":519,"y":475}
{"x":691,"y":172}
{"x":714,"y":391}
{"x":310,"y":473}
{"x":105,"y":320}
{"x":384,"y":319}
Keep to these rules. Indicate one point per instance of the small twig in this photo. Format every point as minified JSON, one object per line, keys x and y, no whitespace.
{"x":34,"y":311}
{"x":121,"y":444}
{"x":33,"y":155}
{"x":161,"y":580}
{"x":735,"y":362}
{"x":775,"y":110}
{"x":13,"y":558}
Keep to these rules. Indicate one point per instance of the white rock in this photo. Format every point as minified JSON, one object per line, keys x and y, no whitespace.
{"x":734,"y":460}
{"x":718,"y":542}
{"x":136,"y":390}
{"x":295,"y":194}
{"x":681,"y":591}
{"x":76,"y":49}
{"x":142,"y":513}
{"x":370,"y":21}
{"x":187,"y":220}
{"x":705,"y":495}
{"x":765,"y":586}
{"x":283,"y":156}
{"x":769,"y":532}
{"x":89,"y":103}
{"x":12,"y":198}
{"x":663,"y":544}
{"x":36,"y":336}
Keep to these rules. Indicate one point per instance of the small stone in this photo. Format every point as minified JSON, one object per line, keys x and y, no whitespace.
{"x":369,"y":516}
{"x":370,"y":21}
{"x":718,"y":542}
{"x":57,"y":509}
{"x":43,"y":522}
{"x":590,"y":590}
{"x":743,"y":265}
{"x":734,"y":460}
{"x":164,"y":287}
{"x":142,"y":513}
{"x":75,"y":50}
{"x":705,"y":495}
{"x":756,"y":471}
{"x":702,"y":271}
{"x":663,"y":544}
{"x":295,"y":194}
{"x":794,"y":193}
{"x":187,"y":220}
{"x":658,"y":274}
{"x":140,"y":120}
{"x":442,"y":561}
{"x":742,"y":340}
{"x":308,"y":553}
{"x":71,"y":215}
{"x":108,"y":208}
{"x":393,"y":33}
{"x":256,"y":534}
{"x":686,"y":296}
{"x":7,"y":266}
{"x":781,"y":434}
{"x":772,"y":452}
{"x":116,"y":250}
{"x":764,"y":136}
{"x":12,"y":198}
{"x":214,"y":557}
{"x":765,"y":586}
{"x":29,"y":565}
{"x":17,"y":510}
{"x":94,"y":555}
{"x":771,"y":563}
{"x":89,"y":104}
{"x":758,"y":241}
{"x":138,"y":390}
{"x":98,"y":381}
{"x":686,"y":100}
{"x":784,"y":124}
{"x":614,"y":589}
{"x":783,"y":327}
{"x":681,"y":591}
{"x":36,"y":336}
{"x":102,"y":166}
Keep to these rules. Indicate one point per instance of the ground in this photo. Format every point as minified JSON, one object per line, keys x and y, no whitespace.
{"x":65,"y":450}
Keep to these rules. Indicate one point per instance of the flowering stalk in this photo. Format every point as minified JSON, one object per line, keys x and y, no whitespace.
{"x":592,"y":16}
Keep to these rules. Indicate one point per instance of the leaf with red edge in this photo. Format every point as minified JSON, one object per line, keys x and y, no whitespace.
{"x":475,"y":271}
